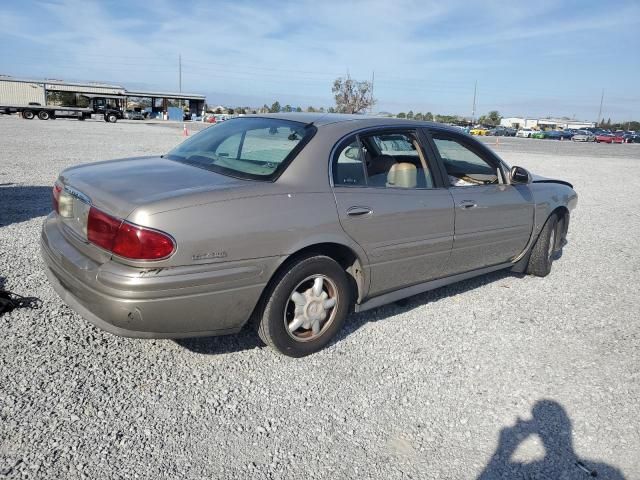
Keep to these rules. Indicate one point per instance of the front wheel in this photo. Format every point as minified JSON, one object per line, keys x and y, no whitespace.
{"x":111,"y":118}
{"x":306,"y":306}
{"x":543,"y":251}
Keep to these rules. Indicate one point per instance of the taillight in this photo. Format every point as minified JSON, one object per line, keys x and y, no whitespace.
{"x":55,"y":196}
{"x":141,"y":243}
{"x":127,"y":240}
{"x":102,"y":228}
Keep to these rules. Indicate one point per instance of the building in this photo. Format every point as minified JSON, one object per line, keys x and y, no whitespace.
{"x":21,"y":91}
{"x":544,"y":123}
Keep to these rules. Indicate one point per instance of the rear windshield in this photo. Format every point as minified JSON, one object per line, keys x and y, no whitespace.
{"x":251,"y":148}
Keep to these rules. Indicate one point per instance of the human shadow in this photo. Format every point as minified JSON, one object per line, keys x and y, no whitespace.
{"x":19,"y":203}
{"x":553,"y":426}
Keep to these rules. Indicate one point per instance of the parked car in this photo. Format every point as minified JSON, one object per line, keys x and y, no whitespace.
{"x":309,"y":217}
{"x":502,"y":132}
{"x":583,"y":136}
{"x":540,"y":134}
{"x":481,"y":131}
{"x":525,"y":133}
{"x":608,"y":138}
{"x":133,"y":115}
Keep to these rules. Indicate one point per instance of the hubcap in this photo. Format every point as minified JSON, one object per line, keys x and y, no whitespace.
{"x":311,"y":308}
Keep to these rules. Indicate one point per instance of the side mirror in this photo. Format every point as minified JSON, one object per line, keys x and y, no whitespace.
{"x":520,"y":176}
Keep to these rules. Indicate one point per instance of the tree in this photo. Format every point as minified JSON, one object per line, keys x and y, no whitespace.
{"x":311,"y":109}
{"x":230,"y":111}
{"x":218,"y":110}
{"x":288,"y":108}
{"x":298,"y":109}
{"x":429,"y":117}
{"x":352,"y":96}
{"x":321,"y":110}
{"x":410,"y":115}
{"x":275,"y":107}
{"x":402,"y":115}
{"x":418,"y":116}
{"x":331,"y":110}
{"x":494,"y":117}
{"x":265,"y":109}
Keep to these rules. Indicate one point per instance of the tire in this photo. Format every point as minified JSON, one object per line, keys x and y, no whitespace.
{"x":43,"y":115}
{"x":543,"y":251}
{"x":112,"y":118}
{"x":281,"y":312}
{"x":28,"y":114}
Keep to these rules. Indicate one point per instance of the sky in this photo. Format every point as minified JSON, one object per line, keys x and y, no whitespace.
{"x":533,"y":58}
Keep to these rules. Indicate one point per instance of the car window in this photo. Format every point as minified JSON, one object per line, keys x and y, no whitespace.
{"x":395,"y":160}
{"x":464,"y":167}
{"x":348,"y":169}
{"x":390,"y":160}
{"x":253,"y":148}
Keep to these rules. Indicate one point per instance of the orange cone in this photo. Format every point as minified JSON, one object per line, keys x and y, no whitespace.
{"x":497,"y":141}
{"x":185,"y":132}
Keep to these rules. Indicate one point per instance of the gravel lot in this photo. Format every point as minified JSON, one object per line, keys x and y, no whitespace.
{"x":431,"y":389}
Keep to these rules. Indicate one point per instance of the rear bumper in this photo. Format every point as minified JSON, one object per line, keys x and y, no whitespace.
{"x":199,"y":300}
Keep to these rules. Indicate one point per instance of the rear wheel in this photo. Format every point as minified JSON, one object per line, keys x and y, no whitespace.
{"x":543,"y":251}
{"x":43,"y":115}
{"x":306,"y":306}
{"x":28,"y":114}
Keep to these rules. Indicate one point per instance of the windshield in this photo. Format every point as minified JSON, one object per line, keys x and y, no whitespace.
{"x":251,"y":147}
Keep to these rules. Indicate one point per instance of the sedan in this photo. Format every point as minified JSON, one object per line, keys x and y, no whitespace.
{"x":583,"y":136}
{"x":608,"y":138}
{"x":480,"y":131}
{"x":292,"y":221}
{"x":524,"y":132}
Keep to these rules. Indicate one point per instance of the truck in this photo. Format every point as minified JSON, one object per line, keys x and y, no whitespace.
{"x":109,"y":106}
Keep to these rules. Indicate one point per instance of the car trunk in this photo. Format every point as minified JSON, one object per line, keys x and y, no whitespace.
{"x":120,"y":187}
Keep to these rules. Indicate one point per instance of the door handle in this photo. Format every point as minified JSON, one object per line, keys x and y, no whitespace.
{"x":359,"y":211}
{"x":467,"y":204}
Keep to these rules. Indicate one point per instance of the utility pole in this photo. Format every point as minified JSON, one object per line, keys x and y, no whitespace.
{"x":180,"y":73}
{"x":473,"y":108}
{"x":373,"y":77}
{"x":600,"y":111}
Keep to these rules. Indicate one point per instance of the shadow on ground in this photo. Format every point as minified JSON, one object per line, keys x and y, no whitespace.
{"x":551,"y":423}
{"x":248,"y":338}
{"x":19,"y":203}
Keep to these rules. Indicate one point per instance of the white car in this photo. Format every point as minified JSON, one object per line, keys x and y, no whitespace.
{"x":524,"y":133}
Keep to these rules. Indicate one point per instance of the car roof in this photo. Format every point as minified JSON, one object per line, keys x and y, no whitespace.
{"x":357,"y":121}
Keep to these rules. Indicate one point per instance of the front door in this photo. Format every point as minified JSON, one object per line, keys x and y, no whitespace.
{"x":493,"y":219}
{"x":389,"y":203}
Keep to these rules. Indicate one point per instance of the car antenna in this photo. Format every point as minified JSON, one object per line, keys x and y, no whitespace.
{"x":310,"y":124}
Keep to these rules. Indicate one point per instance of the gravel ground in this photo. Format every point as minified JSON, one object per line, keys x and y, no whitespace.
{"x":500,"y":376}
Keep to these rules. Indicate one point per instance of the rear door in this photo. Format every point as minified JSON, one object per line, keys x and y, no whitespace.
{"x":391,"y":203}
{"x":493,"y":219}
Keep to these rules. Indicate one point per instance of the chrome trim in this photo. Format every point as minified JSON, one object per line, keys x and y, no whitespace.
{"x":77,"y":194}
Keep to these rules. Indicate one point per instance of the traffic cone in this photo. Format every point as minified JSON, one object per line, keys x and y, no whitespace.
{"x":497,"y":141}
{"x":185,"y":132}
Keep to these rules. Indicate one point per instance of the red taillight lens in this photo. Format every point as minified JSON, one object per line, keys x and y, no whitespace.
{"x":102,"y":228}
{"x":125,"y":239}
{"x":55,"y":195}
{"x":141,"y":243}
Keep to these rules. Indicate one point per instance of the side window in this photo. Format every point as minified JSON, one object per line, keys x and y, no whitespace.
{"x":348,"y":169}
{"x":395,"y":160}
{"x":464,"y":167}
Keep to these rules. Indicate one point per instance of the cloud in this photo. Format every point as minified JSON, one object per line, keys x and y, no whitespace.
{"x":423,"y":52}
